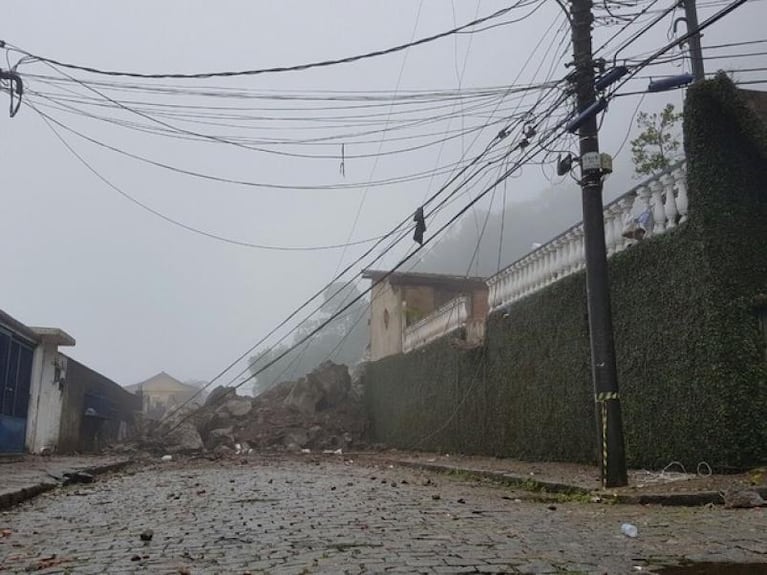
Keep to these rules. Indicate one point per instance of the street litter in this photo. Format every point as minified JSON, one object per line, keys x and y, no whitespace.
{"x":629,"y":530}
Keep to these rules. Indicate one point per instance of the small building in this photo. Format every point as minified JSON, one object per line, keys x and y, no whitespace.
{"x":95,"y":412}
{"x":163,"y":392}
{"x":45,"y":403}
{"x":408,"y":310}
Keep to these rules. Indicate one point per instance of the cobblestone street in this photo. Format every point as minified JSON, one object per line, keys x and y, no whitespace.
{"x":308,"y":515}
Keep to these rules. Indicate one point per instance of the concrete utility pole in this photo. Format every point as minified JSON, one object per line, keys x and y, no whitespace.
{"x":696,"y":53}
{"x":612,"y":457}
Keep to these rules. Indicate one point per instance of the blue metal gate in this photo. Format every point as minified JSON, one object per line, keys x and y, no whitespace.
{"x":15,"y":377}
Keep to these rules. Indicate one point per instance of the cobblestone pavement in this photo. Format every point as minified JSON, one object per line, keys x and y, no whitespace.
{"x":306,"y":515}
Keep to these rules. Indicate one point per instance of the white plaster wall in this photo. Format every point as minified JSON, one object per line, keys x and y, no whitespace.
{"x":46,"y":398}
{"x":385,"y":340}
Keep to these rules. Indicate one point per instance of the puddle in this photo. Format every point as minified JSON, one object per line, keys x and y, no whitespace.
{"x":714,"y":569}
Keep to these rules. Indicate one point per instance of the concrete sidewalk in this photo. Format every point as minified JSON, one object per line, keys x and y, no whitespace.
{"x":26,"y":476}
{"x":674,"y":486}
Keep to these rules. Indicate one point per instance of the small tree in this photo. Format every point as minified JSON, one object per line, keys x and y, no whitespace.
{"x":657,"y":146}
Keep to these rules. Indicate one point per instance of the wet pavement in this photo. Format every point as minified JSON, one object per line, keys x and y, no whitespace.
{"x":330,"y":515}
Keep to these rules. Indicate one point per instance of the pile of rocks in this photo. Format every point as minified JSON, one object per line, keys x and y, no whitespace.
{"x":320,"y":411}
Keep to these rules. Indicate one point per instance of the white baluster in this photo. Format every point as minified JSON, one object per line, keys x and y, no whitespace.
{"x":573,"y":257}
{"x":643,"y":199}
{"x":579,"y":257}
{"x":525,"y":271}
{"x":609,"y":216}
{"x":567,"y":253}
{"x":680,"y":179}
{"x":618,"y":209}
{"x":549,"y":254}
{"x":561,"y":261}
{"x":669,"y":208}
{"x":622,"y":208}
{"x":541,"y":278}
{"x":556,"y":269}
{"x":518,"y":278}
{"x":537,"y":271}
{"x":510,"y":284}
{"x":658,"y":213}
{"x":567,"y":246}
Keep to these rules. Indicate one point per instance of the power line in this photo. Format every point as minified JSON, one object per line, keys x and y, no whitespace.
{"x":276,"y":69}
{"x":249,"y":183}
{"x":187,"y":227}
{"x":72,"y":110}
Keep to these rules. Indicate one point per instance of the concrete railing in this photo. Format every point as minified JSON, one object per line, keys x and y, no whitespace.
{"x":441,"y":321}
{"x":651,"y":208}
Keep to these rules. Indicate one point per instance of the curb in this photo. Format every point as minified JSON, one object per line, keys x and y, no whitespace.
{"x":13,"y":498}
{"x":525,"y":482}
{"x":689,"y":499}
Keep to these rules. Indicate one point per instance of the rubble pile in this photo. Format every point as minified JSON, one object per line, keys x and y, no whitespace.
{"x":320,"y":411}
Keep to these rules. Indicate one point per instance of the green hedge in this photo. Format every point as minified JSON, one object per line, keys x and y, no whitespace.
{"x":691,"y":363}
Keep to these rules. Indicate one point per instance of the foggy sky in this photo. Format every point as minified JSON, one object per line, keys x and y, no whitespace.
{"x":141,"y":296}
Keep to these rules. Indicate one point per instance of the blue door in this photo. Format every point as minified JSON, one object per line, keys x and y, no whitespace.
{"x":15,"y":377}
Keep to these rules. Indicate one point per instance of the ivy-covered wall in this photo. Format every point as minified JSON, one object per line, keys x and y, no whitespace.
{"x":691,"y":359}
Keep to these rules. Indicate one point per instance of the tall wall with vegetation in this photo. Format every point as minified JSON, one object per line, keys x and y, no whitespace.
{"x":691,"y":359}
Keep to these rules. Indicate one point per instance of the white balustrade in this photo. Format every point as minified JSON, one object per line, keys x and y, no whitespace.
{"x":440,"y":322}
{"x":662,"y":197}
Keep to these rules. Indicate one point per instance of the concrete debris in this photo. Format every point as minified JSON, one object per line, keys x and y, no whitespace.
{"x":166,"y":458}
{"x":318,"y":412}
{"x":183,"y":439}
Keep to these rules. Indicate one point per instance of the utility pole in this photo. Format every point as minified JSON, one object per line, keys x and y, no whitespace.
{"x":696,"y":52}
{"x":612,"y":458}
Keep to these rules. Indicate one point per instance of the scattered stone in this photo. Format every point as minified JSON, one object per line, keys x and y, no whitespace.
{"x":146,"y":535}
{"x":184,"y":439}
{"x":743,"y":499}
{"x":237,"y":407}
{"x":220,"y":436}
{"x":166,"y":458}
{"x":136,"y":558}
{"x":461,"y":500}
{"x":436,"y":497}
{"x":73,"y":477}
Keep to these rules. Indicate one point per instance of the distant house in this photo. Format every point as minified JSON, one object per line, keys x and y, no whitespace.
{"x":163,"y":392}
{"x":52,"y":403}
{"x":408,"y":310}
